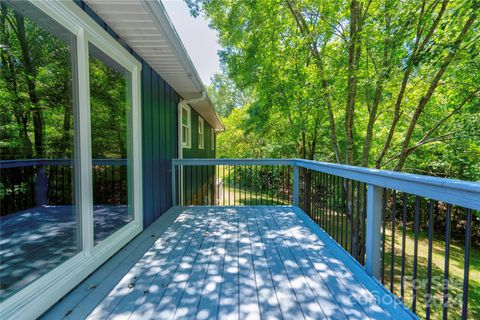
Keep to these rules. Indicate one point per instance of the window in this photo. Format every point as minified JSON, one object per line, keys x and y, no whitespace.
{"x":71,"y":175}
{"x":186,"y":127}
{"x":201,"y":133}
{"x":212,"y":138}
{"x":40,"y":218}
{"x":111,"y":141}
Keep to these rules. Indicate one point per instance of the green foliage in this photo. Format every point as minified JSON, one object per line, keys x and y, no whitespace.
{"x":416,"y":79}
{"x":36,"y":94}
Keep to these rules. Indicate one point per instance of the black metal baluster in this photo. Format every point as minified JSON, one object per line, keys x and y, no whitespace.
{"x":330,"y":205}
{"x":63,"y":185}
{"x":351,"y":209}
{"x":201,"y":186}
{"x":57,"y":189}
{"x":190,"y":185}
{"x":234,"y":185}
{"x":392,"y":253}
{"x":324,"y":200}
{"x":415,"y":255}
{"x":344,"y":190}
{"x":261,"y":182}
{"x":345,"y":213}
{"x":429,"y":266}
{"x":251,"y":185}
{"x":205,"y":185}
{"x":447,"y":261}
{"x":288,"y":184}
{"x":466,"y":265}
{"x":276,"y":184}
{"x":317,"y":197}
{"x":364,"y":222}
{"x":286,"y":198}
{"x":357,"y":225}
{"x":404,"y":233}
{"x":255,"y":185}
{"x":338,"y":204}
{"x":229,"y":184}
{"x":349,"y":215}
{"x":244,"y":184}
{"x":332,"y":199}
{"x":196,"y":185}
{"x":384,"y":209}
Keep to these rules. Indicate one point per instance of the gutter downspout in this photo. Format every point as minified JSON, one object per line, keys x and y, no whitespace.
{"x":182,"y":103}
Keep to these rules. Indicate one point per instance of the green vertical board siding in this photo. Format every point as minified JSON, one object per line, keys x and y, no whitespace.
{"x":159,"y":110}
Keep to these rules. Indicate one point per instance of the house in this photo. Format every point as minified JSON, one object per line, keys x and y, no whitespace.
{"x":113,"y":205}
{"x":162,"y":112}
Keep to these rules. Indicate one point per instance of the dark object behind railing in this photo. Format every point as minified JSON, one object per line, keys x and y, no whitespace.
{"x":29,"y":183}
{"x":417,"y":229}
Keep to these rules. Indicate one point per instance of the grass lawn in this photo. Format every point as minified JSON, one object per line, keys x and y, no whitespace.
{"x":456,"y":271}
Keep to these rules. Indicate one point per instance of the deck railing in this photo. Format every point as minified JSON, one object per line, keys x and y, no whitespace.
{"x":413,"y":233}
{"x":35,"y":182}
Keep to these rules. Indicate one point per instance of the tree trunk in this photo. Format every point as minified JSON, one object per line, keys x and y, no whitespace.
{"x":354,"y":50}
{"x":30,"y":73}
{"x":312,"y":47}
{"x":372,"y":117}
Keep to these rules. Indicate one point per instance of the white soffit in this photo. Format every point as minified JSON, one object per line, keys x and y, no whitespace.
{"x":146,"y":28}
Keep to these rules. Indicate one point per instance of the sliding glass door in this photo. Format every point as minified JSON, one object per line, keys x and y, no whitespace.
{"x":70,"y":157}
{"x":39,"y":222}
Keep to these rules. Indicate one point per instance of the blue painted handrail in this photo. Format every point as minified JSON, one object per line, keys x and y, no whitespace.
{"x":457,"y":192}
{"x":6,"y":164}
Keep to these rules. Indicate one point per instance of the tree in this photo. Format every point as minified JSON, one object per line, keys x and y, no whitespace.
{"x":397,"y":74}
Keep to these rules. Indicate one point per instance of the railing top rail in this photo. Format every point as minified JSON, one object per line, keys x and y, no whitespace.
{"x":220,"y":161}
{"x":7,"y":164}
{"x":456,"y":192}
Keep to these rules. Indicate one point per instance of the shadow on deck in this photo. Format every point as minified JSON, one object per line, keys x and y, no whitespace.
{"x":259,"y":262}
{"x":36,"y":240}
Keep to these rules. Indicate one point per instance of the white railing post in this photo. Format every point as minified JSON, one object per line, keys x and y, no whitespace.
{"x":373,"y":230}
{"x":174,"y":185}
{"x":296,"y":185}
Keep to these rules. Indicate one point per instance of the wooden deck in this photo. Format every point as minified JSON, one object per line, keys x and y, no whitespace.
{"x":36,"y":240}
{"x":230,"y":263}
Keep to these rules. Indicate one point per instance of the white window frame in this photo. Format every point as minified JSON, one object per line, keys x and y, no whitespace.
{"x":212,"y":138}
{"x":201,"y":133}
{"x":38,"y":296}
{"x":188,"y":143}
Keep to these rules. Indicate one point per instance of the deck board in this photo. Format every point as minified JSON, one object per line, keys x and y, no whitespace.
{"x":210,"y":293}
{"x":232,"y":263}
{"x":36,"y":240}
{"x":229,"y":302}
{"x":339,"y":279}
{"x":267,"y":297}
